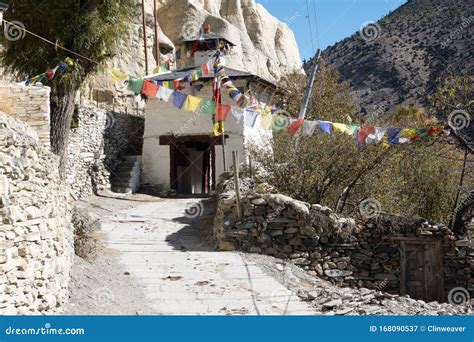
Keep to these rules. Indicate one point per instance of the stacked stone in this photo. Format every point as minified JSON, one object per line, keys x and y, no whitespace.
{"x":335,"y":248}
{"x":29,"y":104}
{"x":96,"y":146}
{"x":35,"y":235}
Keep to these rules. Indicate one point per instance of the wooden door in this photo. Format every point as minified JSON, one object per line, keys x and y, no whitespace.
{"x":422,"y":275}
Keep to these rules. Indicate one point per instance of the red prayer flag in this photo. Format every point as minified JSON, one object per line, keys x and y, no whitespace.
{"x":149,"y":89}
{"x":205,"y":69}
{"x":295,"y":126}
{"x":222,"y":110}
{"x":176,"y":84}
{"x":363,"y":134}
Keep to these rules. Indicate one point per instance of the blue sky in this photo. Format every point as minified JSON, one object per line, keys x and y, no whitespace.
{"x":337,"y":19}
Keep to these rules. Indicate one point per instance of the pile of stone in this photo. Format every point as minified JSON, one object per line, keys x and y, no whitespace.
{"x":35,"y":233}
{"x":363,"y":254}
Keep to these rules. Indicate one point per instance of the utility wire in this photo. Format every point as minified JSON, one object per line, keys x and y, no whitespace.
{"x":50,"y":42}
{"x":316,"y":23}
{"x":310,"y":27}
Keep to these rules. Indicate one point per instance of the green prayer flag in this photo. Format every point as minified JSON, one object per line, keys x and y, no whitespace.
{"x":207,"y":107}
{"x":422,"y":132}
{"x":135,"y":85}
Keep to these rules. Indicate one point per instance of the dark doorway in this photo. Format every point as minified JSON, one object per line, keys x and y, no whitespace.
{"x":192,"y":163}
{"x":422,"y":275}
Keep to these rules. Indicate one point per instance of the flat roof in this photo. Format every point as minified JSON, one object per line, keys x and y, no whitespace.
{"x":207,"y":36}
{"x":181,"y":73}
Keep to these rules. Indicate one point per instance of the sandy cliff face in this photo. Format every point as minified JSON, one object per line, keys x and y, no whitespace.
{"x":265,"y":46}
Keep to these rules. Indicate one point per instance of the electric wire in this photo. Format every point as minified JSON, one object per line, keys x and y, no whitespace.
{"x":50,"y":42}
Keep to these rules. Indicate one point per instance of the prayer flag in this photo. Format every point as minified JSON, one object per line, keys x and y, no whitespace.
{"x":376,"y":136}
{"x":178,"y":99}
{"x":392,"y":135}
{"x":117,"y":75}
{"x":135,"y":85}
{"x":205,"y":69}
{"x":325,"y":126}
{"x":266,"y":121}
{"x":149,"y":89}
{"x":207,"y":107}
{"x":295,"y":125}
{"x":198,"y":87}
{"x":222,"y":110}
{"x":339,"y":127}
{"x":363,"y":134}
{"x":164,"y":94}
{"x":218,"y":128}
{"x":237,"y":112}
{"x":192,"y":103}
{"x":309,"y":127}
{"x":250,"y":118}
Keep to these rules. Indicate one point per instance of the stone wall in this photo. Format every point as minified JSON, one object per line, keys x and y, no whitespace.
{"x":36,"y":246}
{"x":98,"y":141}
{"x":363,"y":254}
{"x":29,"y":104}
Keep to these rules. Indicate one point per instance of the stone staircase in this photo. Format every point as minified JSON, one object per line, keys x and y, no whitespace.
{"x":126,"y":177}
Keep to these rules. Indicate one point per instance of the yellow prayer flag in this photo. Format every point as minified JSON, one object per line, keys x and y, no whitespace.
{"x":408,"y":132}
{"x":117,"y":75}
{"x":266,"y":121}
{"x":192,"y":103}
{"x":340,"y":127}
{"x":218,"y":128}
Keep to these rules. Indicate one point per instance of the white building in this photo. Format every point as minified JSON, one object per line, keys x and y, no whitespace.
{"x":180,"y":151}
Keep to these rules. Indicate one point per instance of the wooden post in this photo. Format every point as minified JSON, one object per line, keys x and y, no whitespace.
{"x":309,"y":88}
{"x":250,"y":166}
{"x":235,"y":159}
{"x":223,"y":152}
{"x":157,"y":40}
{"x":144,"y":37}
{"x":461,"y":181}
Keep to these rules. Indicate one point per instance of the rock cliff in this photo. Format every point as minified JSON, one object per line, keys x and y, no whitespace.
{"x":264,"y":45}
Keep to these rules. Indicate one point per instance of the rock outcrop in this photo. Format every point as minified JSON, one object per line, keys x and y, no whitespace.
{"x":264,"y":45}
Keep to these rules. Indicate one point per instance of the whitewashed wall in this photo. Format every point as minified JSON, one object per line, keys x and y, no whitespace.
{"x":164,"y":119}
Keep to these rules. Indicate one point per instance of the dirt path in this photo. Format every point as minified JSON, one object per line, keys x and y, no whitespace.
{"x":158,"y":259}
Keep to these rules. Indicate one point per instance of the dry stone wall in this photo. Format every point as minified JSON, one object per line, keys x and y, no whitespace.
{"x":36,"y":238}
{"x":29,"y":104}
{"x":97,"y":144}
{"x":365,"y":254}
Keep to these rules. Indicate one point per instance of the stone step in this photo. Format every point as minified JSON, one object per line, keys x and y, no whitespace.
{"x":126,"y":177}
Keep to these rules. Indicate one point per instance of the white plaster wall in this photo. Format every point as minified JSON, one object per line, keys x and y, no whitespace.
{"x":162,"y":118}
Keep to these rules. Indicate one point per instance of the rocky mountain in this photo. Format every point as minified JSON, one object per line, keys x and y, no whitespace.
{"x":398,"y":59}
